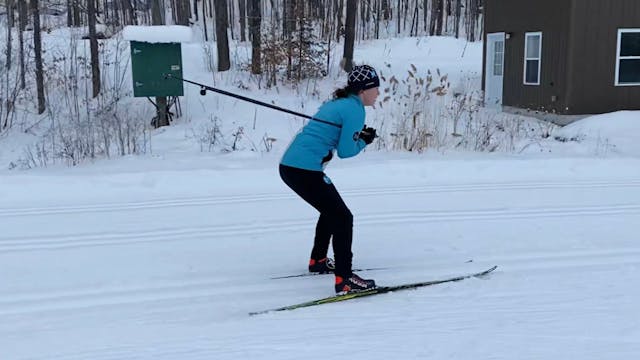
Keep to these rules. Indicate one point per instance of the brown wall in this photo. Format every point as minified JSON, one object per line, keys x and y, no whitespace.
{"x":517,"y":17}
{"x":593,"y":51}
{"x":579,"y":39}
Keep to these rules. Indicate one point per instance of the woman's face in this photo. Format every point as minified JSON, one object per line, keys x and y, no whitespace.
{"x":369,"y":96}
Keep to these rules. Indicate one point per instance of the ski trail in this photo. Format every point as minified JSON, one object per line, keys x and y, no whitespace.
{"x":58,"y":300}
{"x":27,"y":243}
{"x":362,"y":192}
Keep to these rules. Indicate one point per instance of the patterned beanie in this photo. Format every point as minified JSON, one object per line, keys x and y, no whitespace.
{"x":363,"y":77}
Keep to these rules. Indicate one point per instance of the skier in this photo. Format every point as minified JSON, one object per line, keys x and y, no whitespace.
{"x":302,"y":169}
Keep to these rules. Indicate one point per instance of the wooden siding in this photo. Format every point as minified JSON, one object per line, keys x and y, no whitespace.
{"x":594,"y":39}
{"x":517,"y":17}
{"x":579,"y":49}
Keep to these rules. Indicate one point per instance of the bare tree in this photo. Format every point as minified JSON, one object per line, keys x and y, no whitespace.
{"x":37,"y":46}
{"x":288,"y":18}
{"x":222,"y":39}
{"x":10,"y":23}
{"x":204,"y":20}
{"x":458,"y":15}
{"x":129,"y":14}
{"x":195,"y":9}
{"x":73,"y":13}
{"x":255,"y":23}
{"x":386,"y":9}
{"x":399,"y":17}
{"x":437,"y":8}
{"x":181,"y":12}
{"x":242,"y":7}
{"x":22,"y":25}
{"x":161,"y":101}
{"x":349,"y":35}
{"x":472,"y":14}
{"x":157,"y":12}
{"x":288,"y":27}
{"x":93,"y":45}
{"x":339,"y":5}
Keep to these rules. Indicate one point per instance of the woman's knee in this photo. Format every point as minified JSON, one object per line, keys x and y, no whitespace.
{"x":343,"y":216}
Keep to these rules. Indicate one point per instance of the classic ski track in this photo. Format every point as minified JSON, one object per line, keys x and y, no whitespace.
{"x":27,"y":243}
{"x":132,"y":295}
{"x":117,"y":295}
{"x":237,"y":199}
{"x":53,"y":300}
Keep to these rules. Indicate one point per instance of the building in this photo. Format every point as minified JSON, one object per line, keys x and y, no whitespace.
{"x":564,"y":57}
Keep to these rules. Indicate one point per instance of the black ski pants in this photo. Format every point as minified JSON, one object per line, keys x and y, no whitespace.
{"x":335,"y":217}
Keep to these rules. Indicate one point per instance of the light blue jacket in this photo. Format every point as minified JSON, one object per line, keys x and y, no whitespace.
{"x":316,"y":140}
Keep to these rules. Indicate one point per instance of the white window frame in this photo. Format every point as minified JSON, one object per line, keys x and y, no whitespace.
{"x":619,"y":58}
{"x":539,"y":58}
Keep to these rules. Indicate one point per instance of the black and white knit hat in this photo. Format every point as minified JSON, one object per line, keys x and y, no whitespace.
{"x":363,"y":77}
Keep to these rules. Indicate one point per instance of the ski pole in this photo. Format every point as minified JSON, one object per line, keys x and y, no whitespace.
{"x":204,"y":88}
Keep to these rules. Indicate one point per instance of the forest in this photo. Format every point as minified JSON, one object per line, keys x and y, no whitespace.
{"x":289,"y":41}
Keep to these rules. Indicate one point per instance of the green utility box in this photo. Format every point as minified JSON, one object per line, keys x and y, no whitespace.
{"x":150,"y":63}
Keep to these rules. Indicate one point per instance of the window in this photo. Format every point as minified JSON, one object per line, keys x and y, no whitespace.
{"x":498,"y":58}
{"x":628,"y":58}
{"x":532,"y":58}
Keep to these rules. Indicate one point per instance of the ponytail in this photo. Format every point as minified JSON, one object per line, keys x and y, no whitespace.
{"x":343,"y":93}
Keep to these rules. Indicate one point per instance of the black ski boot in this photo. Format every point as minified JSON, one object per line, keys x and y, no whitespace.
{"x":353,"y":283}
{"x":322,"y":266}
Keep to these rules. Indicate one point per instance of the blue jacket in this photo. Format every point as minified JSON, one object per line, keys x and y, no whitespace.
{"x":316,"y":141}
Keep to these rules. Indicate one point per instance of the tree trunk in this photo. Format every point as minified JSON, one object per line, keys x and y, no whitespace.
{"x":242,"y":7}
{"x":129,"y":17}
{"x":386,"y":9}
{"x":339,"y":26}
{"x":76,"y":19}
{"x":425,"y":14}
{"x":161,"y":101}
{"x":439,"y":18}
{"x":414,"y":22}
{"x":10,"y":22}
{"x":93,"y":45}
{"x":231,"y":19}
{"x":255,"y":23}
{"x":222,"y":39}
{"x":37,"y":45}
{"x":436,"y":17}
{"x":288,"y":18}
{"x":22,"y":25}
{"x":457,"y":18}
{"x":204,"y":20}
{"x":157,"y":12}
{"x":195,"y":9}
{"x":349,"y":35}
{"x":399,"y":17}
{"x":473,"y":12}
{"x":182,"y":12}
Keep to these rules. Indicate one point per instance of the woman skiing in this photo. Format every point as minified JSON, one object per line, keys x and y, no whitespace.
{"x":341,"y":129}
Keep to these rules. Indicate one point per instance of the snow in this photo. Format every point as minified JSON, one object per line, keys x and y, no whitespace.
{"x":157,"y":33}
{"x":163,"y":256}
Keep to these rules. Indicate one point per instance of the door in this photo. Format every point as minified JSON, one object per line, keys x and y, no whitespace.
{"x":494,"y":71}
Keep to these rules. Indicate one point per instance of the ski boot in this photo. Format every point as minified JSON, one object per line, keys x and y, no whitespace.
{"x":322,"y":266}
{"x":353,"y":283}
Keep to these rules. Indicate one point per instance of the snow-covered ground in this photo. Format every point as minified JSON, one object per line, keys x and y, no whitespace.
{"x":163,"y":256}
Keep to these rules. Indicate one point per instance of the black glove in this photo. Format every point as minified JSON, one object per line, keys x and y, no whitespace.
{"x":368,"y":134}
